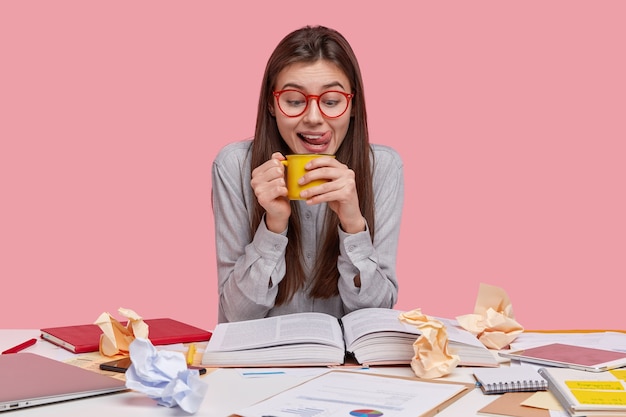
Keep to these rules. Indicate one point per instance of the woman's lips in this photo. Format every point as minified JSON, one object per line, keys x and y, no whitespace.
{"x":315,"y":138}
{"x":315,"y":142}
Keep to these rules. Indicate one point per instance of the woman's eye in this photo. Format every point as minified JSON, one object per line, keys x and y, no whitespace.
{"x":295,"y":103}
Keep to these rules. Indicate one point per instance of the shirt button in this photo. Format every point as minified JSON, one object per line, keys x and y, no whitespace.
{"x":308,"y":255}
{"x":307,"y":215}
{"x":351,"y":248}
{"x":276,"y":247}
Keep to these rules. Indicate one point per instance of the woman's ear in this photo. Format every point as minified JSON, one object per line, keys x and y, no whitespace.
{"x":270,"y":108}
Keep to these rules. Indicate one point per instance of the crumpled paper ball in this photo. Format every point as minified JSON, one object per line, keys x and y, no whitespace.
{"x":493,"y":321}
{"x":116,"y":338}
{"x":164,"y":376}
{"x":432,"y":359}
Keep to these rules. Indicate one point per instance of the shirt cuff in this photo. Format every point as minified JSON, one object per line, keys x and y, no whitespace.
{"x":355,"y":246}
{"x":269,"y":244}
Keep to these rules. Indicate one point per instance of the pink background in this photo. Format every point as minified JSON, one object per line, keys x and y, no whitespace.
{"x":510,"y":118}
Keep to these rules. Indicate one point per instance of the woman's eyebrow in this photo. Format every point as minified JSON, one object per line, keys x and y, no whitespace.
{"x":301,"y":87}
{"x":334,"y":84}
{"x":292,"y":85}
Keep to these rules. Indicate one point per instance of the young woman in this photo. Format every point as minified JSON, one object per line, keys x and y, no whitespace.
{"x":335,"y":250}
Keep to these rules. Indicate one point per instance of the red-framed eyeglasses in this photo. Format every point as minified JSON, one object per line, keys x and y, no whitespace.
{"x":332,"y":103}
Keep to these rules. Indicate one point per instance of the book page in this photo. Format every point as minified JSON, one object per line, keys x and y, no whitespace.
{"x":273,"y":331}
{"x":370,"y":320}
{"x":459,"y":334}
{"x":377,"y":336}
{"x":463,"y":343}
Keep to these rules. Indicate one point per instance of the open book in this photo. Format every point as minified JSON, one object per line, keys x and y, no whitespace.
{"x":372,"y":336}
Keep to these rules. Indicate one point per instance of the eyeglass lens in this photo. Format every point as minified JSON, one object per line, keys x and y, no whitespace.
{"x":294,"y":103}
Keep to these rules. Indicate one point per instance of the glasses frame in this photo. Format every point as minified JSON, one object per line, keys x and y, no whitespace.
{"x":308,"y":98}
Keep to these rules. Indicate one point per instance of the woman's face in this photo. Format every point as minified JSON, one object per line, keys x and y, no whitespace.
{"x":312,"y":132}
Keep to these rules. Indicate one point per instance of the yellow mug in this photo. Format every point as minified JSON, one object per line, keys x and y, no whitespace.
{"x":295,"y":170}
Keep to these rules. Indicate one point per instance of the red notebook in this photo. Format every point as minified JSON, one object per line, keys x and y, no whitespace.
{"x":86,"y":337}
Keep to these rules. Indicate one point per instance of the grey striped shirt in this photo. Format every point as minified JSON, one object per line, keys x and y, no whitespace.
{"x":245,"y":264}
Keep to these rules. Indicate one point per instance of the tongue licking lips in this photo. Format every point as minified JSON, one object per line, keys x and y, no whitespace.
{"x":315,"y":142}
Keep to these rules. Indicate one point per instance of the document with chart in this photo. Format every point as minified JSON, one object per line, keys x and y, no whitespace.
{"x":360,"y":394}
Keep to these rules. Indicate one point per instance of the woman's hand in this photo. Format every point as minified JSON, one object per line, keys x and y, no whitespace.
{"x":268,"y":183}
{"x":339,"y":192}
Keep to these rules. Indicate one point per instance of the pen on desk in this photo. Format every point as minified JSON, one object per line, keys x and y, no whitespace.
{"x":264,"y":373}
{"x":191,"y":353}
{"x":20,"y":347}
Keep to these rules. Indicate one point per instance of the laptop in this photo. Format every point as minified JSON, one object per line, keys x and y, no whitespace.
{"x":28,"y":380}
{"x":570,"y":356}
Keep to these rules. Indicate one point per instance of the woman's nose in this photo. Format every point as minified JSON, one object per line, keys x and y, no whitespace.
{"x":313,"y":113}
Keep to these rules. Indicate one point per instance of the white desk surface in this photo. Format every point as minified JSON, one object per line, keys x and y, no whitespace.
{"x":228,"y":391}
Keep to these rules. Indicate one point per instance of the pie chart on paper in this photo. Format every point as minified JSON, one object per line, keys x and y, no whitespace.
{"x":366,"y":413}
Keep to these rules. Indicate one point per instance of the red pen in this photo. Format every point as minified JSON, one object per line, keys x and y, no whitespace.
{"x":21,"y":346}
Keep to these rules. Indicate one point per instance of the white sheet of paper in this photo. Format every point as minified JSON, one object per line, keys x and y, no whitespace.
{"x":343,"y":393}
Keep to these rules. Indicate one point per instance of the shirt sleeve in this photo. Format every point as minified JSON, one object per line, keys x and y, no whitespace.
{"x":375,"y":261}
{"x":249,"y":268}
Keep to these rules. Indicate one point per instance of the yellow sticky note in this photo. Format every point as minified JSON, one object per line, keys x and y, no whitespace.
{"x":600,"y":397}
{"x":619,"y":374}
{"x":595,"y":385}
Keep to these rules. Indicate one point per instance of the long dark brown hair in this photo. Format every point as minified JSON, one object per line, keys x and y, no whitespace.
{"x":310,"y":44}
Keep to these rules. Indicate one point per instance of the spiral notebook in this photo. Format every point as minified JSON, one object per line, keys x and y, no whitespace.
{"x":509,"y":379}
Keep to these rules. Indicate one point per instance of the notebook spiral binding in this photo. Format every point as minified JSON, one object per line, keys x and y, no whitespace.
{"x":516,"y":386}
